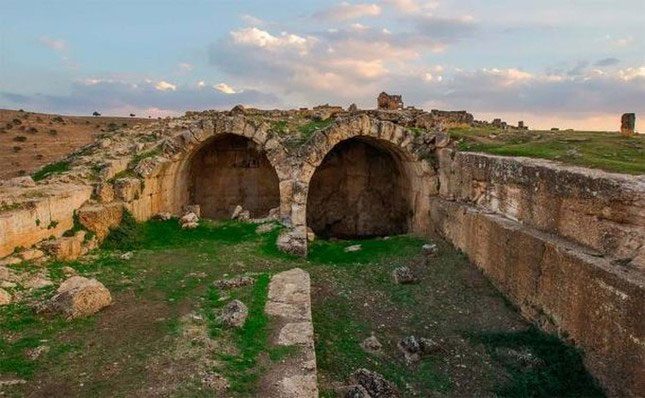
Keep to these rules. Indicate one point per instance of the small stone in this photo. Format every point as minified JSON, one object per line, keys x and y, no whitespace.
{"x":7,"y":285}
{"x":236,"y":212}
{"x":355,"y":391}
{"x":13,"y":260}
{"x":404,"y":275}
{"x":35,"y":353}
{"x":375,"y":384}
{"x":311,"y":236}
{"x":234,"y":314}
{"x":126,"y":256}
{"x":189,"y":218}
{"x":372,"y":345}
{"x":37,"y":282}
{"x":411,"y":348}
{"x":215,"y":382}
{"x":32,"y":254}
{"x":68,"y":271}
{"x":195,"y":209}
{"x":5,"y":297}
{"x":430,"y":249}
{"x":245,"y":215}
{"x":353,"y":248}
{"x":163,"y":216}
{"x":234,"y":282}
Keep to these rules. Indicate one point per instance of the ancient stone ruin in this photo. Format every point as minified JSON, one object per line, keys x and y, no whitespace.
{"x":389,"y":102}
{"x":628,"y":124}
{"x":564,"y":244}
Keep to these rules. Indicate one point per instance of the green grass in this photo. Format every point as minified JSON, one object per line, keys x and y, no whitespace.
{"x":561,"y":374}
{"x":603,"y":150}
{"x":51,"y":169}
{"x":333,"y":252}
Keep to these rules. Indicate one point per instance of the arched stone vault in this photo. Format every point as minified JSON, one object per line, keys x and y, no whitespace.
{"x":166,"y":176}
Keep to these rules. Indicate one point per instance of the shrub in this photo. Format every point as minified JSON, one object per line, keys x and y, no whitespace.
{"x":17,"y":149}
{"x":20,"y":138}
{"x":50,"y":169}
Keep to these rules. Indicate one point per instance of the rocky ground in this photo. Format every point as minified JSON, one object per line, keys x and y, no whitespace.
{"x":31,"y":140}
{"x":185,"y":317}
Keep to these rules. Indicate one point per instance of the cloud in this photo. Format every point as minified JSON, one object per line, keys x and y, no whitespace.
{"x":625,"y":41}
{"x":346,"y":11}
{"x":120,"y":97}
{"x":607,"y":62}
{"x":185,"y":67}
{"x":58,"y":45}
{"x":412,"y":6}
{"x":254,"y":37}
{"x":165,"y":86}
{"x":224,"y":88}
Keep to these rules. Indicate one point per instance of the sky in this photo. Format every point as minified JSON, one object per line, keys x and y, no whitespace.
{"x":552,"y":63}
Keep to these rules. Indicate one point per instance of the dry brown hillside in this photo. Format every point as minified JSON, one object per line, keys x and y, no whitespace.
{"x":29,"y":140}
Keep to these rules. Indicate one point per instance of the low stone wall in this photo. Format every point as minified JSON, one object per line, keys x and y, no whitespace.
{"x":289,"y":305}
{"x":564,"y":244}
{"x":36,"y":213}
{"x":603,"y":211}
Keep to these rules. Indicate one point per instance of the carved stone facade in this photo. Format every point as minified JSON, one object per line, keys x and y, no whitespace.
{"x":389,"y":102}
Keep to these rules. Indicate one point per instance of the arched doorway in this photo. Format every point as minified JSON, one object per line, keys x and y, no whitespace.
{"x":231,"y":170}
{"x":361,"y":189}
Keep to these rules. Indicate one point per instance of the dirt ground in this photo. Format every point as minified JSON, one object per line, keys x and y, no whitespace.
{"x":29,"y":140}
{"x":161,"y":336}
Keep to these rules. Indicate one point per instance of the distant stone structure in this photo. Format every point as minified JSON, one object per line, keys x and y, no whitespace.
{"x":628,"y":124}
{"x":522,"y":126}
{"x":389,"y":102}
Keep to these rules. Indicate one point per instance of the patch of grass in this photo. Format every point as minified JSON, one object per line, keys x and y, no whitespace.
{"x":333,"y":252}
{"x":561,"y":372}
{"x":307,"y":130}
{"x":251,"y":340}
{"x":126,"y":236}
{"x":145,"y":155}
{"x":279,"y":127}
{"x":602,"y":150}
{"x":51,"y":169}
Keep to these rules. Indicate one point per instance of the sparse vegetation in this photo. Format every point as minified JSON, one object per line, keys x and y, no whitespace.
{"x":51,"y":169}
{"x":602,"y":150}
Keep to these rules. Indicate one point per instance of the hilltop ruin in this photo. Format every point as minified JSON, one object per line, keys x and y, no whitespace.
{"x":564,"y":244}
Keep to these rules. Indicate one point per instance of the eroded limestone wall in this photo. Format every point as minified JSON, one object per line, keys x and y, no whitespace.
{"x":563,"y":244}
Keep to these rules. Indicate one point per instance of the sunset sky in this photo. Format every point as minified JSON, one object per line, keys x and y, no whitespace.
{"x":566,"y":63}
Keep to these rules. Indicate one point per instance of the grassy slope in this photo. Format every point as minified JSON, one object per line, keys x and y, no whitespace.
{"x":170,"y":276}
{"x":603,"y":150}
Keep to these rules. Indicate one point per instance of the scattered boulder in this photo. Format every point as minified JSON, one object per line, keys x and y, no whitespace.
{"x":12,"y":260}
{"x":163,"y":216}
{"x":353,"y":248}
{"x":189,"y":221}
{"x":126,"y":256}
{"x":215,"y":382}
{"x":311,"y":236}
{"x":37,"y":352}
{"x":375,"y":384}
{"x":292,"y":242}
{"x":355,"y":391}
{"x":236,"y":282}
{"x":65,"y":248}
{"x":5,"y":297}
{"x":36,"y":282}
{"x":8,"y":275}
{"x":68,"y":271}
{"x":31,"y":254}
{"x":234,"y":314}
{"x":430,"y":249}
{"x":442,"y":140}
{"x":193,"y":209}
{"x":236,"y":212}
{"x":372,"y":345}
{"x":403,"y":276}
{"x":78,"y":297}
{"x":414,"y":348}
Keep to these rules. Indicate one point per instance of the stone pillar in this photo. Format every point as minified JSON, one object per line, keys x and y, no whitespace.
{"x":628,"y":124}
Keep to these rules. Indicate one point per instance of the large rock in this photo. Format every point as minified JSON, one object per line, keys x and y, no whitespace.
{"x":78,"y":297}
{"x":292,"y":242}
{"x":234,"y":314}
{"x":100,"y":218}
{"x":375,"y":384}
{"x":66,"y":248}
{"x":189,"y":221}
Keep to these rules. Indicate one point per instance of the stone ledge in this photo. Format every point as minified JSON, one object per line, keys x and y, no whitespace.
{"x":289,"y":305}
{"x":559,"y":286}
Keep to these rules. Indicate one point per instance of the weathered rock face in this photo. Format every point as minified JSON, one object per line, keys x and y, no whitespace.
{"x":358,"y":191}
{"x":99,"y":219}
{"x":628,"y":124}
{"x":232,"y":171}
{"x":565,"y":244}
{"x":78,"y":297}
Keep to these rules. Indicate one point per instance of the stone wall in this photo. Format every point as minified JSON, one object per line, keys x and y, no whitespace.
{"x":564,"y":244}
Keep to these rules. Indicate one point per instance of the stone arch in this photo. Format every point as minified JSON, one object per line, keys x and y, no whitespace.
{"x":184,"y":148}
{"x":393,"y":140}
